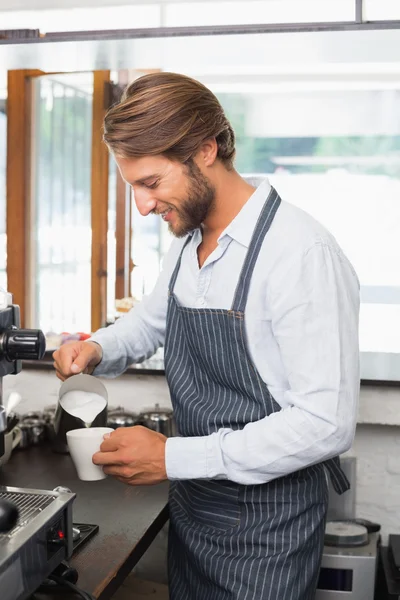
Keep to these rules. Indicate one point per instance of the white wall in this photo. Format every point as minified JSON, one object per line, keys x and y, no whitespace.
{"x":376,"y":445}
{"x":377,"y":448}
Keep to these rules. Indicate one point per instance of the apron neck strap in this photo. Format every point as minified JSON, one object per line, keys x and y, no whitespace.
{"x":177,"y":267}
{"x":263,"y":224}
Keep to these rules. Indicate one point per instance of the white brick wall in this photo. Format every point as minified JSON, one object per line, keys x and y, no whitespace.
{"x":377,"y":448}
{"x":376,"y":445}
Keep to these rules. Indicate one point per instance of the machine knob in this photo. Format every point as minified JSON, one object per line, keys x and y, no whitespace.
{"x":24,"y":344}
{"x":8,"y":516}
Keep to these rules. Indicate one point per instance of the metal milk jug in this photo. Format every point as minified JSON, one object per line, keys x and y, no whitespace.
{"x":65,"y":421}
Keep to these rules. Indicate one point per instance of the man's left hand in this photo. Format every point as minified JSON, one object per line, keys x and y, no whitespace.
{"x":133,"y":455}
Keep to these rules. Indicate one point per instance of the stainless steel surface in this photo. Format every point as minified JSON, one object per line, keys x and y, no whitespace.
{"x":122,"y":418}
{"x":361,"y":562}
{"x":345,"y":534}
{"x":41,"y":539}
{"x":25,"y":441}
{"x":29,"y":505}
{"x":49,"y":412}
{"x":34,"y":432}
{"x":31,"y":415}
{"x":28,"y":553}
{"x":64,"y":421}
{"x":159,"y":419}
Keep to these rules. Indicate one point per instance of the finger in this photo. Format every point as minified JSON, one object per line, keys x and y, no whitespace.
{"x":107,"y":458}
{"x":111,"y":443}
{"x":59,"y":374}
{"x":120,"y":473}
{"x":63,"y":359}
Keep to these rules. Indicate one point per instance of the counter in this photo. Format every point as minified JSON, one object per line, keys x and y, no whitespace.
{"x":129,"y":517}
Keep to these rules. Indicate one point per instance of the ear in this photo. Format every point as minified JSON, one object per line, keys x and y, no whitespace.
{"x":207,"y":154}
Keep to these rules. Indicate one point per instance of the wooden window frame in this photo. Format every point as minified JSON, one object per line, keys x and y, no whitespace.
{"x":99,"y":201}
{"x":18,"y":193}
{"x":123,"y":236}
{"x":18,"y":187}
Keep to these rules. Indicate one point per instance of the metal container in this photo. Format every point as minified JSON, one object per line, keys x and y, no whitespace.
{"x":33,"y":432}
{"x":48,"y":416}
{"x":32,"y":415}
{"x":122,"y":418}
{"x":49,"y":412}
{"x":64,"y":421}
{"x":25,"y":440}
{"x":159,"y":419}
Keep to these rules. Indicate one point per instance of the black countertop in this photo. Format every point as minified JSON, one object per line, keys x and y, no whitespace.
{"x":129,"y":517}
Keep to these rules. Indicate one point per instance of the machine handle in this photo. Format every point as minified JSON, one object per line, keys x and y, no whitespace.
{"x":20,"y":344}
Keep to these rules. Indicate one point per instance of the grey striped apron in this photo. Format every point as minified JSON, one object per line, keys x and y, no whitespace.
{"x":227,"y":540}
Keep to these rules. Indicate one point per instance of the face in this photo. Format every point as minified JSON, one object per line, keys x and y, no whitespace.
{"x":179,"y":193}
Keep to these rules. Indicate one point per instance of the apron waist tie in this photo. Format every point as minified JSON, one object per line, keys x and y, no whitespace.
{"x":339,"y":480}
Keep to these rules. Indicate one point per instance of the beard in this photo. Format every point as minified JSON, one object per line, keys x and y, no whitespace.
{"x":199,"y":203}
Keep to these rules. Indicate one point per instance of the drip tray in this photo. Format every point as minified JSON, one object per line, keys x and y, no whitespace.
{"x":29,"y":506}
{"x":87,"y":531}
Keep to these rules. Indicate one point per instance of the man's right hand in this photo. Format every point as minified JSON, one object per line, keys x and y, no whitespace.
{"x":76,"y":357}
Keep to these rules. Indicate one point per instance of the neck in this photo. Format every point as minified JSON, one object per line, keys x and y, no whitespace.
{"x":231,"y":194}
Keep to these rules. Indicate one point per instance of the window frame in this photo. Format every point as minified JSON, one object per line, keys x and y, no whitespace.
{"x":20,"y":206}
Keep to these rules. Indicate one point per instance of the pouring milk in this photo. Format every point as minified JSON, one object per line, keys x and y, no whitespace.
{"x":83,"y":405}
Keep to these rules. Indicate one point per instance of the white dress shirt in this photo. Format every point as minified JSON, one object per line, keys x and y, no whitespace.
{"x":301,"y":322}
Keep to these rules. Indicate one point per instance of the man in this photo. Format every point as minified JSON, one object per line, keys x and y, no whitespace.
{"x":257,"y":309}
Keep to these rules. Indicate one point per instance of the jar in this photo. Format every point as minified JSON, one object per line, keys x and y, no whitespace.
{"x":159,"y":419}
{"x":122,"y":418}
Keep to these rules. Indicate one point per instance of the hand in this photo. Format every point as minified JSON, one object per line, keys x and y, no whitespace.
{"x":133,"y":455}
{"x":76,"y":357}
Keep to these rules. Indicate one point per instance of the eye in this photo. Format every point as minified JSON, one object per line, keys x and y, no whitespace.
{"x":151,"y":186}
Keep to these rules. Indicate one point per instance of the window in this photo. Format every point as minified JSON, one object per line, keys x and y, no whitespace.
{"x":178,"y":14}
{"x":316,"y":112}
{"x":83,"y":19}
{"x":335,"y":153}
{"x":61,"y":200}
{"x":326,"y":131}
{"x":379,"y":10}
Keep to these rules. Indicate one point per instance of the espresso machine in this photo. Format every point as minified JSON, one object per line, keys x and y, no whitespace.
{"x":15,"y":344}
{"x":35,"y":525}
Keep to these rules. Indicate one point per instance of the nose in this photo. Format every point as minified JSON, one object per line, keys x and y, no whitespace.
{"x":144,"y":202}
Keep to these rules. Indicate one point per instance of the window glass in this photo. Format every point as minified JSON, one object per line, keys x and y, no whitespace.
{"x":178,"y":14}
{"x":83,"y":19}
{"x":62,"y":224}
{"x":376,"y":10}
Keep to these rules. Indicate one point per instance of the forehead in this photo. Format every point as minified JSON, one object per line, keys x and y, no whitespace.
{"x":146,"y":167}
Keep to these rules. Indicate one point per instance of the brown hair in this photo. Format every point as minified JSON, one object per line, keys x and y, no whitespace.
{"x":169,"y":114}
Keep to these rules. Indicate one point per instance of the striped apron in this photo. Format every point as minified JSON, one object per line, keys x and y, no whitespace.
{"x":227,"y":540}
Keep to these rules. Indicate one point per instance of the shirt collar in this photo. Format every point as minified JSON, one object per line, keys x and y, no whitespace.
{"x":242,"y":227}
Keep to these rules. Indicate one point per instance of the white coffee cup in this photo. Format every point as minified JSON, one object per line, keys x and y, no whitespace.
{"x":82,"y":444}
{"x":11,"y":440}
